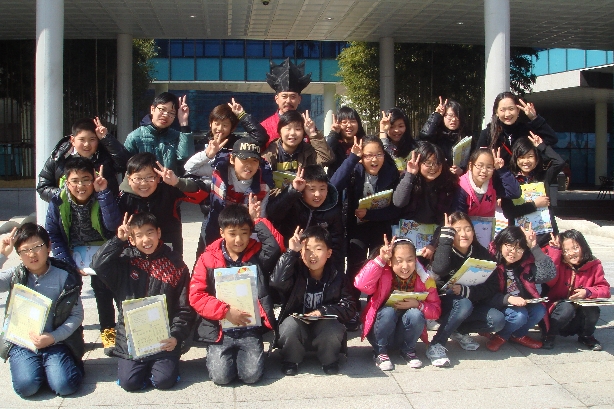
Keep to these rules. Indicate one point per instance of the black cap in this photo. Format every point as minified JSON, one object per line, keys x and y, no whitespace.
{"x":246,"y":148}
{"x":288,"y":77}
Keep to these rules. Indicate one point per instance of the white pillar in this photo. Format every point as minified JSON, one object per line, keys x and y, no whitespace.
{"x":124,"y":86}
{"x":329,"y":106}
{"x":49,"y":85}
{"x":386,"y":73}
{"x":497,"y":52}
{"x":601,"y":140}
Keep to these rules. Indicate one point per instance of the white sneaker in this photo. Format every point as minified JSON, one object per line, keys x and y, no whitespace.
{"x":412,"y":359}
{"x":437,"y":354}
{"x":465,"y":341}
{"x":382,"y":361}
{"x":432,"y":325}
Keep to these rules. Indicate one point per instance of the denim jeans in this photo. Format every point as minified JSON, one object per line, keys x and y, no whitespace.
{"x":161,"y":373}
{"x":454,"y":310}
{"x":519,"y":320}
{"x":483,"y":318}
{"x":568,"y":319}
{"x":241,"y":353}
{"x":325,"y":336}
{"x":54,"y":364}
{"x":396,"y":329}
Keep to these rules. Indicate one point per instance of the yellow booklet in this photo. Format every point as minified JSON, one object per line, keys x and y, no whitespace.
{"x":28,"y":311}
{"x":376,"y":201}
{"x":540,"y":219}
{"x":472,"y":272}
{"x":237,"y":286}
{"x":146,"y":321}
{"x":397,"y":296}
{"x":461,"y":151}
{"x":283,"y":179}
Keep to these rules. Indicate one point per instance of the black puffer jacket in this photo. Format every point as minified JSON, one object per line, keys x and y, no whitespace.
{"x":110,"y":153}
{"x":130,"y":274}
{"x":433,"y":131}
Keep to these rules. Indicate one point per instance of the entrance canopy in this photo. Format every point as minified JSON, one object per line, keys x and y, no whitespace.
{"x":544,"y":23}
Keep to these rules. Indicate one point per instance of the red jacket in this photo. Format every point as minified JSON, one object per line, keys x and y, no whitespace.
{"x":590,"y":277}
{"x":263,"y":253}
{"x":375,"y":279}
{"x":270,"y":124}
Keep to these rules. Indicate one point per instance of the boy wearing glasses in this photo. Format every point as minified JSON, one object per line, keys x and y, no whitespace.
{"x":57,"y":362}
{"x":141,"y":191}
{"x":84,"y":213}
{"x":156,"y":136}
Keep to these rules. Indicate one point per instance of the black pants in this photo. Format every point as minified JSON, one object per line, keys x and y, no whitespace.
{"x":104,"y":304}
{"x":325,"y":336}
{"x":136,"y":375}
{"x":569,"y":319}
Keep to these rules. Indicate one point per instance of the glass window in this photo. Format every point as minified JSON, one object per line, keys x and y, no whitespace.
{"x":257,"y":69}
{"x":255,"y":49}
{"x":233,"y":69}
{"x":540,"y":63}
{"x":313,"y":67}
{"x":307,"y":49}
{"x":610,"y":57}
{"x":329,"y":70}
{"x":282,"y":49}
{"x":207,"y":69}
{"x":331,"y":49}
{"x":160,"y":69}
{"x":188,"y":48}
{"x":182,"y":69}
{"x":176,"y":48}
{"x":557,"y":60}
{"x":575,"y":59}
{"x":162,"y":48}
{"x":213,"y":48}
{"x":199,"y":48}
{"x":234,"y":48}
{"x":595,"y":57}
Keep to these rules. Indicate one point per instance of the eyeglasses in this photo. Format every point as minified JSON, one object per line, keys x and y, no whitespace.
{"x":513,"y":249}
{"x":163,"y":112}
{"x":481,"y":166}
{"x":33,"y":250}
{"x":450,"y":116}
{"x":83,"y":182}
{"x":373,"y":156}
{"x":431,"y":164}
{"x":138,"y":181}
{"x":573,"y":250}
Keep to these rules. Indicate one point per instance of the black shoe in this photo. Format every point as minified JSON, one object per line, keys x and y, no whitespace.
{"x":590,"y":342}
{"x":548,"y":342}
{"x":331,"y":369}
{"x":289,"y":368}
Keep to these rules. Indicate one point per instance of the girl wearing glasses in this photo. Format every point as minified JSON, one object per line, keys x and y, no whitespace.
{"x":445,"y":128}
{"x":346,"y":125}
{"x":486,"y":180}
{"x":396,"y":134}
{"x":579,"y":276}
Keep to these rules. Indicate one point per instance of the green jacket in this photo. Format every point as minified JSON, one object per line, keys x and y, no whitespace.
{"x":167,"y":144}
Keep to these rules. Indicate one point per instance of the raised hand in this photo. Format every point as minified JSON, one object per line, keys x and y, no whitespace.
{"x":299,"y":183}
{"x":7,"y":243}
{"x":336,"y":126}
{"x":528,"y":108}
{"x":183,"y":112}
{"x":441,"y":108}
{"x":357,"y":147}
{"x":385,"y":252}
{"x":214,"y":146}
{"x":554,"y":241}
{"x":100,"y":183}
{"x":535,"y":139}
{"x":168,"y":176}
{"x":236,"y":108}
{"x":530,"y":235}
{"x":101,"y":130}
{"x":413,"y":164}
{"x":446,"y":220}
{"x":295,"y":243}
{"x":253,"y":206}
{"x":499,"y":162}
{"x":310,"y":125}
{"x":384,"y":123}
{"x":123,"y":231}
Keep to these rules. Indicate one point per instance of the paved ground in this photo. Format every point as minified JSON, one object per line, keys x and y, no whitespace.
{"x":515,"y":377}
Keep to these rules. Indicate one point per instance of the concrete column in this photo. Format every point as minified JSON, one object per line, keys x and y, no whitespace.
{"x":329,"y":106}
{"x":160,"y":87}
{"x":497,"y":51}
{"x":124,"y":86}
{"x":49,"y":84}
{"x":386,"y":73}
{"x":601,"y":140}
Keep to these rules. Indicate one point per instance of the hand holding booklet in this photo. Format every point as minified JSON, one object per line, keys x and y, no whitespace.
{"x":237,"y":286}
{"x":311,"y":318}
{"x":472,"y":272}
{"x":397,"y":296}
{"x":146,"y":321}
{"x":27,"y":312}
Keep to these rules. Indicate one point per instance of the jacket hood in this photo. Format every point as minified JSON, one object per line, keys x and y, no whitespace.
{"x":331,"y":200}
{"x":146,"y":120}
{"x":214,"y":251}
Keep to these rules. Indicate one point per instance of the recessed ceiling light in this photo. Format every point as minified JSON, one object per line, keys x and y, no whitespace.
{"x":192,"y":16}
{"x":329,"y":18}
{"x":460,"y":23}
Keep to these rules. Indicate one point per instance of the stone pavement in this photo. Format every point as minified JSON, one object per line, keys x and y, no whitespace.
{"x":515,"y":377}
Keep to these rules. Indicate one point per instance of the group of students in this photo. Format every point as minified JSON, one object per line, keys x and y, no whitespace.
{"x":314,"y":249}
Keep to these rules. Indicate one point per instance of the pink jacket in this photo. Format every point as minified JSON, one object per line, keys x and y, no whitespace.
{"x":484,"y":208}
{"x":590,"y":276}
{"x":375,"y":279}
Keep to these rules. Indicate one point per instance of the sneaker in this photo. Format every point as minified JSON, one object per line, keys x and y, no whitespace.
{"x":465,"y":341}
{"x":108,"y":341}
{"x":432,"y":325}
{"x":590,"y":342}
{"x":548,"y":342}
{"x":412,"y":359}
{"x":382,"y":361}
{"x":289,"y":368}
{"x":437,"y":354}
{"x":331,"y":369}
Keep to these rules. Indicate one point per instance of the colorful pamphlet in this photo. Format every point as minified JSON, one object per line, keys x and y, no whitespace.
{"x":376,"y":201}
{"x":27,"y":311}
{"x":420,"y":234}
{"x":237,"y":286}
{"x":484,"y":229}
{"x":146,"y":321}
{"x":540,"y":219}
{"x":83,"y":257}
{"x":589,"y":302}
{"x":500,"y":220}
{"x":472,"y":272}
{"x":461,"y":151}
{"x":397,"y":296}
{"x":283,"y":178}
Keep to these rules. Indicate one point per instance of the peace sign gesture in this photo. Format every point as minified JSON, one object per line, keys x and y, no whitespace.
{"x":215,"y":145}
{"x":336,"y":126}
{"x":294,"y":243}
{"x":357,"y":147}
{"x":100,"y":183}
{"x":236,"y":108}
{"x":253,"y":206}
{"x":441,"y":108}
{"x":7,"y":243}
{"x":554,"y":241}
{"x":530,"y":235}
{"x":310,"y":125}
{"x":499,"y":162}
{"x":299,"y":183}
{"x":385,"y":252}
{"x":123,"y":231}
{"x":384,"y":123}
{"x":413,"y":164}
{"x":101,"y":130}
{"x":446,"y":220}
{"x":535,"y":139}
{"x":168,"y":176}
{"x":183,"y":111}
{"x":528,"y":108}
